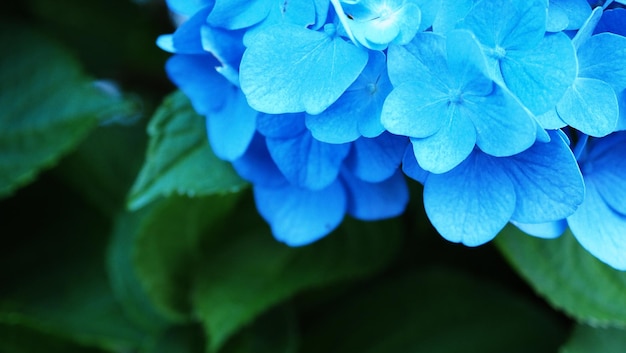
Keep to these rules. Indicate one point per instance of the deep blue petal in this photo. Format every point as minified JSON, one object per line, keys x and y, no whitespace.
{"x":376,"y":159}
{"x":300,"y":216}
{"x":188,"y":7}
{"x":236,"y":14}
{"x":605,"y":165}
{"x":231,"y":128}
{"x":411,"y":168}
{"x":195,"y":75}
{"x":257,"y":166}
{"x":375,"y":201}
{"x":187,"y":39}
{"x":281,"y":125}
{"x":613,"y":21}
{"x":306,"y":162}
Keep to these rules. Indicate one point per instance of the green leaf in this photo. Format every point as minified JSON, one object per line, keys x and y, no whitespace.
{"x":251,"y":272}
{"x":52,"y":270}
{"x":167,"y":236}
{"x":272,"y":332}
{"x":179,"y":159}
{"x":569,"y":277}
{"x":197,"y":260}
{"x":586,"y":339}
{"x":433,"y":311}
{"x":48,"y":105}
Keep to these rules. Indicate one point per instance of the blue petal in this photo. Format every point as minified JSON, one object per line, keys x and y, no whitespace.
{"x":420,"y":62}
{"x":188,"y":7}
{"x":195,"y":75}
{"x":503,"y":126}
{"x":375,"y":201}
{"x":236,"y":14}
{"x":186,"y":39}
{"x":281,"y":125}
{"x":411,"y":168}
{"x":590,"y":106}
{"x":450,"y":13}
{"x":585,"y":32}
{"x":257,"y":166}
{"x":547,"y":181}
{"x":231,"y":129}
{"x":297,"y":12}
{"x":471,"y":203}
{"x":501,"y":24}
{"x":549,"y":230}
{"x":539,"y":77}
{"x":415,"y":110}
{"x":575,"y":13}
{"x":449,"y":147}
{"x":226,"y":46}
{"x":299,"y":216}
{"x":357,"y":112}
{"x":599,"y":229}
{"x":603,"y":57}
{"x":306,"y":162}
{"x":376,"y":159}
{"x":292,"y":69}
{"x":429,"y":12}
{"x":606,"y":166}
{"x":613,"y":21}
{"x":550,"y":120}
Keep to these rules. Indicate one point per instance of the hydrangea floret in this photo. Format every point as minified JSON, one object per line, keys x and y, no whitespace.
{"x":505,"y":110}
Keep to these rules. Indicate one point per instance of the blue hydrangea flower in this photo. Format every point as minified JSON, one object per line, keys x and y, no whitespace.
{"x":317,"y":104}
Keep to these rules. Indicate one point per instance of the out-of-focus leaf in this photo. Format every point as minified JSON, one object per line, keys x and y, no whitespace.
{"x":433,"y":311}
{"x":167,"y":236}
{"x":197,"y":260}
{"x":250,"y":272}
{"x":124,"y":281}
{"x":179,"y":339}
{"x":272,"y":332}
{"x":104,"y":166}
{"x":586,"y":339}
{"x":47,"y":104}
{"x":52,"y":270}
{"x":16,"y":339}
{"x":179,"y":159}
{"x":569,"y":277}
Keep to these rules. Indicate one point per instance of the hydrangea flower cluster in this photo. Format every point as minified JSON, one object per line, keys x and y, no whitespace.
{"x":505,"y":110}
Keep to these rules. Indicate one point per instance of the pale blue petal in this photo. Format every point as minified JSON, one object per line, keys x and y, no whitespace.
{"x":429,"y":11}
{"x":503,"y":126}
{"x":415,"y":110}
{"x":299,"y":216}
{"x":590,"y":106}
{"x":467,"y":64}
{"x":231,"y":129}
{"x":450,"y":13}
{"x":548,"y":183}
{"x":599,"y":229}
{"x":357,"y":112}
{"x":308,"y":72}
{"x":500,"y":24}
{"x":376,"y":159}
{"x":297,"y":12}
{"x":195,"y":75}
{"x":306,"y":162}
{"x":588,"y":27}
{"x":549,"y":230}
{"x":603,"y":57}
{"x":236,"y":14}
{"x":376,"y":201}
{"x":539,"y":77}
{"x":575,"y":13}
{"x":471,"y":203}
{"x":550,"y":120}
{"x":423,"y":61}
{"x":449,"y":146}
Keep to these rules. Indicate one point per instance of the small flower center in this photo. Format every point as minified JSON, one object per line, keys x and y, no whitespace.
{"x":498,"y":52}
{"x":455,"y":96}
{"x":371,"y":88}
